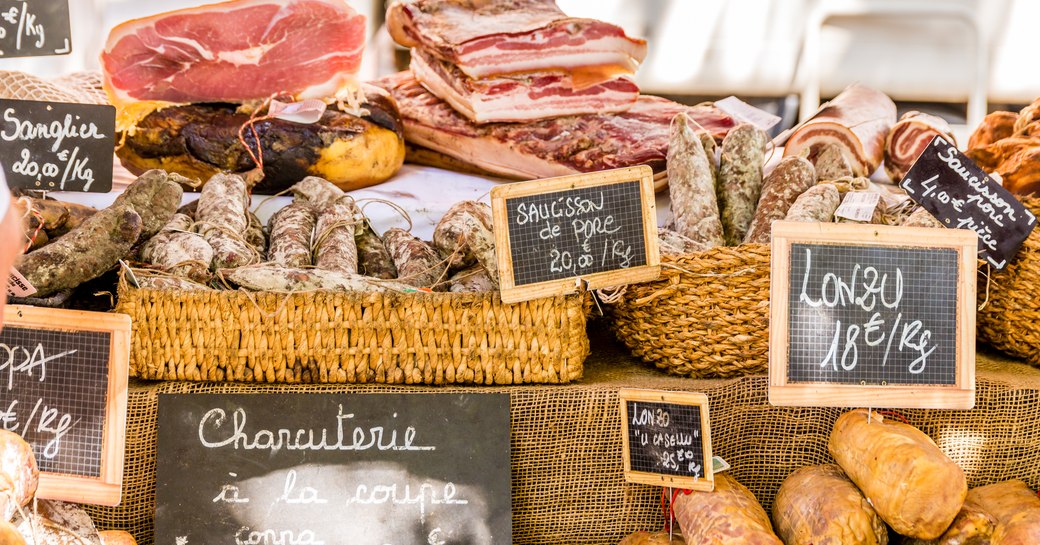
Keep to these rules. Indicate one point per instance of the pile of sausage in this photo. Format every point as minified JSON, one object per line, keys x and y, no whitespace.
{"x":888,"y":474}
{"x":321,"y":241}
{"x":721,"y":197}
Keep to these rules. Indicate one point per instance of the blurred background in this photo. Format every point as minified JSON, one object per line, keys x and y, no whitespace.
{"x":956,"y":58}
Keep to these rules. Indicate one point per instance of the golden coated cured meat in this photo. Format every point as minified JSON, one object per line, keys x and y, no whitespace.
{"x":995,"y":126}
{"x":730,"y":515}
{"x":1016,"y":509}
{"x":819,"y":505}
{"x":914,"y":487}
{"x":857,"y":121}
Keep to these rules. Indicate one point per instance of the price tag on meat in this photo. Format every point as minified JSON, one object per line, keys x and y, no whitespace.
{"x":666,"y":439}
{"x":872,"y":316}
{"x":37,"y":28}
{"x":307,"y":468}
{"x":960,"y":194}
{"x":557,"y":235}
{"x":64,"y":391}
{"x":55,"y":146}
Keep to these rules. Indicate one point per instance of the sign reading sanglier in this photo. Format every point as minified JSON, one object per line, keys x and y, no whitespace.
{"x":329,"y":469}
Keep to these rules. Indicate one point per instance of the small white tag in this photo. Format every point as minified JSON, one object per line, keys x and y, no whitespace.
{"x":305,"y":112}
{"x":746,"y":112}
{"x":18,"y":286}
{"x":718,"y":465}
{"x":858,"y":206}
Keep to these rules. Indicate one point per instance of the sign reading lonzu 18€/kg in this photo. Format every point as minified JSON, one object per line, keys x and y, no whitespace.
{"x":57,"y":146}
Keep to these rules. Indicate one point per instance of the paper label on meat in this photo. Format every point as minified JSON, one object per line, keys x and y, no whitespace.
{"x":718,"y":465}
{"x":858,"y":206}
{"x":746,"y":112}
{"x":18,"y":286}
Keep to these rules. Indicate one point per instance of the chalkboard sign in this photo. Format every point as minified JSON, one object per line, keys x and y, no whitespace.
{"x":57,"y":146}
{"x":64,"y":377}
{"x":385,"y":469}
{"x":36,"y":28}
{"x":873,"y":316}
{"x":666,"y":439}
{"x":960,"y":194}
{"x":555,"y":235}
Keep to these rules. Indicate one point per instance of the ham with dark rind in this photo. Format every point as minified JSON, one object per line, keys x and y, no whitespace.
{"x":520,"y":97}
{"x":548,"y":147}
{"x":857,"y":121}
{"x":909,"y":137}
{"x":235,"y":51}
{"x":493,"y":37}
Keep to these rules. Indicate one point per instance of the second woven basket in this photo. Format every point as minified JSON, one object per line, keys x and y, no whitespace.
{"x":707,"y":316}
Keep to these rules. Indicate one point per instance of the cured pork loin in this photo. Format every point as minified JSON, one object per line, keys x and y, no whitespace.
{"x":520,"y":97}
{"x":909,"y":137}
{"x":548,"y":147}
{"x":857,"y":121}
{"x":235,"y":51}
{"x":493,"y":37}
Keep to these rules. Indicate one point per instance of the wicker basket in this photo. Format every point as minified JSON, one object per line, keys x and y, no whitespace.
{"x":1010,"y":318}
{"x":707,"y":316}
{"x":327,"y":337}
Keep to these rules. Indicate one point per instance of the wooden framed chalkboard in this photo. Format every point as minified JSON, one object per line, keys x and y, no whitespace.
{"x":34,"y":28}
{"x":333,"y":468}
{"x":872,"y":316}
{"x":666,"y":439}
{"x":65,"y":377}
{"x":553,"y":235}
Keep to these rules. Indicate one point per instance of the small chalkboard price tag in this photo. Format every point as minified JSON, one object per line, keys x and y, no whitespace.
{"x":57,"y":146}
{"x":960,"y":194}
{"x":557,"y":235}
{"x":872,"y":316}
{"x":64,"y":391}
{"x":313,"y":468}
{"x":666,"y":439}
{"x":36,"y":28}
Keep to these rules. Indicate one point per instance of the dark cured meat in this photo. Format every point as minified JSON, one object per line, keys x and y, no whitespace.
{"x":199,"y":140}
{"x":549,"y":147}
{"x":305,"y":47}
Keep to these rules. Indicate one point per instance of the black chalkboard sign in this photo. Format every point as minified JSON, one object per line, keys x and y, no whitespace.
{"x":34,"y":28}
{"x":57,"y":146}
{"x":866,"y":306}
{"x":64,"y":379}
{"x":389,"y":469}
{"x":960,"y":194}
{"x":600,"y":228}
{"x":666,"y":439}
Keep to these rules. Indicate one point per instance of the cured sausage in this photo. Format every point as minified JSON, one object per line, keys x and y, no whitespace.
{"x":334,"y":245}
{"x":292,"y":229}
{"x":418,"y":264}
{"x":740,"y":179}
{"x":792,"y":177}
{"x":373,"y":258}
{"x":728,"y":516}
{"x":465,"y":237}
{"x":819,"y":505}
{"x":691,"y":186}
{"x":914,"y":487}
{"x":817,"y":204}
{"x":831,"y":164}
{"x":222,"y":220}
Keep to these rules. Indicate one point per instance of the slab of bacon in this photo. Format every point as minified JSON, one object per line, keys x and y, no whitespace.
{"x":235,"y":51}
{"x":857,"y":121}
{"x":495,"y":37}
{"x":548,"y":147}
{"x":520,"y":97}
{"x":909,"y":137}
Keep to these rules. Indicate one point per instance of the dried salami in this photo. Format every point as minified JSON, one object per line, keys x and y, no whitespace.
{"x":817,"y":204}
{"x":418,"y":264}
{"x":373,"y":258}
{"x":920,"y":217}
{"x":269,"y":277}
{"x":464,"y":237}
{"x":672,"y":243}
{"x":831,"y":164}
{"x":155,"y":196}
{"x":740,"y":179}
{"x":222,"y":218}
{"x":472,"y":280}
{"x":178,"y":251}
{"x":334,"y":246}
{"x":691,"y":186}
{"x":319,"y":192}
{"x":254,"y":234}
{"x":292,"y":229}
{"x":792,"y":177}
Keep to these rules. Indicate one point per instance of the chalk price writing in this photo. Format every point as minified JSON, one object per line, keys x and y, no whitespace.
{"x":27,"y":28}
{"x":675,"y":447}
{"x":67,"y":161}
{"x":570,"y":213}
{"x":875,"y":292}
{"x":42,"y":418}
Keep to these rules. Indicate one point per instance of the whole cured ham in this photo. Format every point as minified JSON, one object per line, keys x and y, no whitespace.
{"x":857,"y":121}
{"x":307,"y":48}
{"x":493,"y":37}
{"x":909,"y":137}
{"x":520,"y":97}
{"x":548,"y":147}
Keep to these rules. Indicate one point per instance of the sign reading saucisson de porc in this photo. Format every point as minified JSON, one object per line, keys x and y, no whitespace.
{"x":872,"y":316}
{"x":551,"y":235}
{"x":960,"y":194}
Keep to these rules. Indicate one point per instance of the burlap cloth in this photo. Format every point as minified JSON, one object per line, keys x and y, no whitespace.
{"x":566,"y":442}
